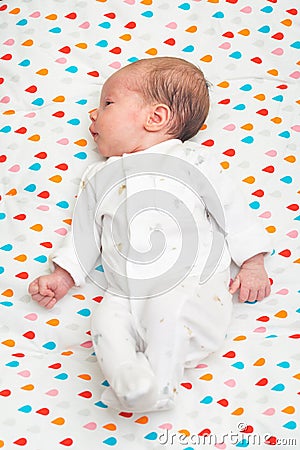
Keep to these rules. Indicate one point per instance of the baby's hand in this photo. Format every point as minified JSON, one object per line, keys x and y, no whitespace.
{"x":252,"y":280}
{"x":48,"y":289}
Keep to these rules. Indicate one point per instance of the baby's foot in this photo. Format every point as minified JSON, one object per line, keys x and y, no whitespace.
{"x":134,"y":389}
{"x":135,"y":385}
{"x":110,"y":399}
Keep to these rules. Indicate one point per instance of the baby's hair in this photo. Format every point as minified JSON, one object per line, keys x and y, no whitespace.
{"x":178,"y":84}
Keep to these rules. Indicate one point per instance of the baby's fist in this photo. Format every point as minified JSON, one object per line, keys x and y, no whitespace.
{"x":48,"y":289}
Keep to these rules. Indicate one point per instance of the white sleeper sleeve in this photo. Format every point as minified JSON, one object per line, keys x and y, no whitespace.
{"x":245,"y":236}
{"x":81,"y":247}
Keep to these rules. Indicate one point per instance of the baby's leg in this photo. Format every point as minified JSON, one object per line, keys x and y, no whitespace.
{"x":208,"y":314}
{"x":167,"y":340}
{"x":183,"y":327}
{"x":127,"y":370}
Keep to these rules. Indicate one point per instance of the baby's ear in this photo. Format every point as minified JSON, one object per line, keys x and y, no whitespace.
{"x":158,"y":118}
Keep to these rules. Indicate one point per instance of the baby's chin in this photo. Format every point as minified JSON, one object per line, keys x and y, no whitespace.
{"x":106,"y":153}
{"x":109,"y":152}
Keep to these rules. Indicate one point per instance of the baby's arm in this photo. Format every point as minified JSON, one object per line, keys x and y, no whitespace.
{"x":48,"y":289}
{"x":245,"y":236}
{"x":252,"y":280}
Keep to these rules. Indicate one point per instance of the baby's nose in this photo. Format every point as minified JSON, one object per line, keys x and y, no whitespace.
{"x":93,"y":114}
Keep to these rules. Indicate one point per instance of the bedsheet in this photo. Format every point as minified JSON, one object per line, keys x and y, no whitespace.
{"x":54,"y":58}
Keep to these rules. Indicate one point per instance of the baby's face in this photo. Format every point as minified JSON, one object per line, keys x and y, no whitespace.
{"x":118,"y":123}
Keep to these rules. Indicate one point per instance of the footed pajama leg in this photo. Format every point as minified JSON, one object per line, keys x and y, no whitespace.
{"x":127,"y":370}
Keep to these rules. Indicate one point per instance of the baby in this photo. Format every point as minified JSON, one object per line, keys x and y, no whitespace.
{"x":149,"y":327}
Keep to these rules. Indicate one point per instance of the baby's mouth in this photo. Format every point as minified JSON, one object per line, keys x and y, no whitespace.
{"x":93,"y":133}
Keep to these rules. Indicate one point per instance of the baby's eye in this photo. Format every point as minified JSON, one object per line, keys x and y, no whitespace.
{"x":107,"y":103}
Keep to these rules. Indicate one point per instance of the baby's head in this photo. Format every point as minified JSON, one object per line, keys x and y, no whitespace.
{"x":178,"y":84}
{"x":148,"y":102}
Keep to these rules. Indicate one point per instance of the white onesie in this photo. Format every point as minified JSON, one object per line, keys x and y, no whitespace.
{"x":167,"y":223}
